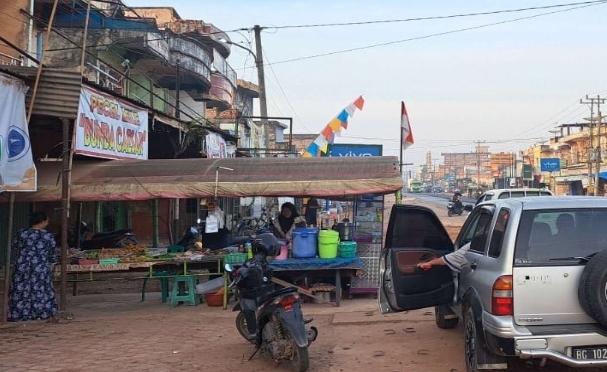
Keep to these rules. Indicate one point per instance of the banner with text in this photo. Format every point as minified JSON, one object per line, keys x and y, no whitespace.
{"x":110,"y":128}
{"x":17,"y":169}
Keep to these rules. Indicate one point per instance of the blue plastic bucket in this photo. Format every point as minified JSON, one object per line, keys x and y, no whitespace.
{"x":305,"y":242}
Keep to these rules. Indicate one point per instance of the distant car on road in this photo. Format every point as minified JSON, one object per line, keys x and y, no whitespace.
{"x":512,"y":193}
{"x":437,"y":189}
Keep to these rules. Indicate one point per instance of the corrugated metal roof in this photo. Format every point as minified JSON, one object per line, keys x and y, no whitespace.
{"x":58,"y":91}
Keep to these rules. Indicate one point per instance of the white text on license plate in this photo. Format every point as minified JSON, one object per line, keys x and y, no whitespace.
{"x":589,"y":353}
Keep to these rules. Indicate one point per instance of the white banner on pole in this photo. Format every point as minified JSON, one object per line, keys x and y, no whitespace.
{"x":110,"y":128}
{"x":17,"y":169}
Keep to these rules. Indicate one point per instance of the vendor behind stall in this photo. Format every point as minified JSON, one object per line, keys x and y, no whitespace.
{"x":288,"y":220}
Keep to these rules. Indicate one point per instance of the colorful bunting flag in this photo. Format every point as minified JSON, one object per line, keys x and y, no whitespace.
{"x":327,"y":136}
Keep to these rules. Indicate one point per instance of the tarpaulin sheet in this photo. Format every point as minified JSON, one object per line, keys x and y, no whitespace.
{"x":236,"y":177}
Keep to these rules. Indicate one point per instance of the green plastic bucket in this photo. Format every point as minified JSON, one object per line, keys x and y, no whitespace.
{"x":347,"y":249}
{"x":328,"y":243}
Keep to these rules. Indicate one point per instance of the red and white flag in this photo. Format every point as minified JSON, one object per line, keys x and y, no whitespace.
{"x":405,"y":127}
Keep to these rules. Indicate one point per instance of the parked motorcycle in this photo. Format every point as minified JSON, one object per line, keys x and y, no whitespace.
{"x":81,"y":236}
{"x":281,"y":331}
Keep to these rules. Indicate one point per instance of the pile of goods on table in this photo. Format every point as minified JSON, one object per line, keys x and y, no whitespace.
{"x":137,"y":253}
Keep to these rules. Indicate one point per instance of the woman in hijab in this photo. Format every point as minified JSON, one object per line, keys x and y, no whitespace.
{"x":312,"y":211}
{"x":288,"y":220}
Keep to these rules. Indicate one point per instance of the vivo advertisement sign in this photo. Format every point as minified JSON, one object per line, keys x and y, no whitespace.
{"x":550,"y":164}
{"x":343,"y":149}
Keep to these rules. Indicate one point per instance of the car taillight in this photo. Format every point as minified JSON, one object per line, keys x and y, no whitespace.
{"x":502,"y":302}
{"x":287,"y":302}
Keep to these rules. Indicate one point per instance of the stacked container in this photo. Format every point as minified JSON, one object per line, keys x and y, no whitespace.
{"x":305,"y":242}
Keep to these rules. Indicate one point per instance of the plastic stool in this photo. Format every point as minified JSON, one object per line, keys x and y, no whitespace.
{"x":164,"y":284}
{"x":190,"y":296}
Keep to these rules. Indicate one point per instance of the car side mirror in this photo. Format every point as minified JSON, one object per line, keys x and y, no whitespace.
{"x":468,"y":208}
{"x":228,"y":267}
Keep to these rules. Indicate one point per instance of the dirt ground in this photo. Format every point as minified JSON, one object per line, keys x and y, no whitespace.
{"x":117,"y":332}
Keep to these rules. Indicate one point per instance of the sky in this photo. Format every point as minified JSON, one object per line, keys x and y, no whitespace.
{"x":507,"y":84}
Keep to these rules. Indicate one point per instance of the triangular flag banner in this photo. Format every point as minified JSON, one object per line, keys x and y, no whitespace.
{"x":328,"y":133}
{"x":407,"y":134}
{"x":343,"y":116}
{"x":320,"y":140}
{"x":327,"y":136}
{"x":351,"y":109}
{"x":360,"y":102}
{"x":324,"y":148}
{"x":313,"y":149}
{"x":335,"y":125}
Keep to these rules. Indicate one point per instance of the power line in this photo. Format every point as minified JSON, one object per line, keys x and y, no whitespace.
{"x":439,"y":17}
{"x":285,"y":95}
{"x":435,"y":34}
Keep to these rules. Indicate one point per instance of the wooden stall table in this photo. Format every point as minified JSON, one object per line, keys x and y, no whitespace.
{"x":348,"y":267}
{"x":147,"y":269}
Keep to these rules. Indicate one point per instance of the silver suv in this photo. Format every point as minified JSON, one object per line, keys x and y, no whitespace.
{"x":535,"y":286}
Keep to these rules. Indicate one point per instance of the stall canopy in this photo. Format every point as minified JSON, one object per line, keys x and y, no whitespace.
{"x":195,"y":178}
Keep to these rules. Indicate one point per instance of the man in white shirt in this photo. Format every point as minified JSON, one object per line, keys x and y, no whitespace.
{"x":454,"y":260}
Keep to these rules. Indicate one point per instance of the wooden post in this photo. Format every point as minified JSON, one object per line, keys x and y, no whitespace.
{"x":7,"y":270}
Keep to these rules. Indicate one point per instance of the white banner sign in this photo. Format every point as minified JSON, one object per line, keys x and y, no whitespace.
{"x":17,"y":170}
{"x":216,"y":146}
{"x":110,"y":128}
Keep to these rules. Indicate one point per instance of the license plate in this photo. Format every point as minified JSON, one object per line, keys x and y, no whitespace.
{"x":589,"y":353}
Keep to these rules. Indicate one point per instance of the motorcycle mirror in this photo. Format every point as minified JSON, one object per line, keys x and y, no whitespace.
{"x":228,"y":267}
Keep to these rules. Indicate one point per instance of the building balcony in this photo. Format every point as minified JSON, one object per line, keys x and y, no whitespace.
{"x":205,"y":33}
{"x":194,"y":63}
{"x":221,"y":94}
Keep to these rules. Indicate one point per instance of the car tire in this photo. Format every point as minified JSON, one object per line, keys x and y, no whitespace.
{"x":442,"y":312}
{"x":473,"y":342}
{"x":592,"y":291}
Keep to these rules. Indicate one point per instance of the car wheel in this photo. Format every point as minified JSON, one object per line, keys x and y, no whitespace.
{"x":473,"y":346}
{"x":592,"y":292}
{"x":445,"y":318}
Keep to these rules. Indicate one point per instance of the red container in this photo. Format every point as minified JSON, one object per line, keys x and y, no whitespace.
{"x":214,"y":299}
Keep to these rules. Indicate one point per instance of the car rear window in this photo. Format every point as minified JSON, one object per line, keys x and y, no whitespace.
{"x":556,"y":237}
{"x":545,"y":193}
{"x":533,"y":193}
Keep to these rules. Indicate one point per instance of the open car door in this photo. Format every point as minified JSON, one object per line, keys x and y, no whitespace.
{"x":415,"y":234}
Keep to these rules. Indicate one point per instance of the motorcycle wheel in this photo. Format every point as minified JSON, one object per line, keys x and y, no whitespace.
{"x":241,"y":326}
{"x":301,"y":359}
{"x":449,"y":213}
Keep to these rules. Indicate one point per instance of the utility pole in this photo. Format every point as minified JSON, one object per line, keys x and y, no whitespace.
{"x":263,"y":104}
{"x":594,"y":153}
{"x":478,"y":162}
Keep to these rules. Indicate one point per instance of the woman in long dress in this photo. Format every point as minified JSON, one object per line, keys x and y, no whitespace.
{"x":32,"y":295}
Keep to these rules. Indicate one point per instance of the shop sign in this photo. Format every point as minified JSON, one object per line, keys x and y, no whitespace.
{"x":110,"y":128}
{"x":550,"y":164}
{"x":17,"y":169}
{"x":343,"y":149}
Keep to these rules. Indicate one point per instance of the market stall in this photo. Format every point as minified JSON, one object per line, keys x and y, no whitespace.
{"x":149,"y":263}
{"x":135,"y":180}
